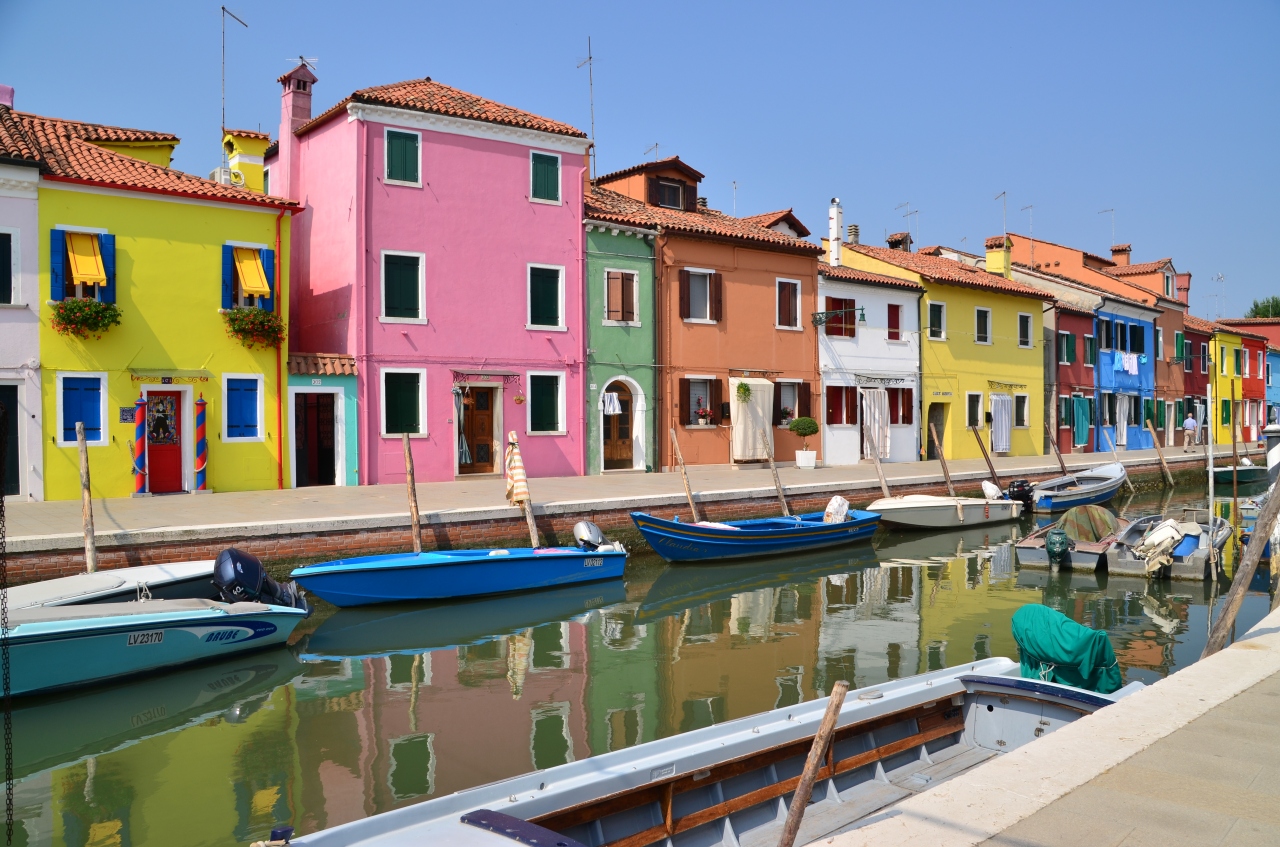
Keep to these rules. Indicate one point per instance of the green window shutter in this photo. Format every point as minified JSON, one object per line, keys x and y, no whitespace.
{"x":1226,"y":413}
{"x":1090,"y":351}
{"x":400,"y":287}
{"x":1160,"y":415}
{"x":1177,"y":411}
{"x":544,"y":404}
{"x":402,"y":156}
{"x":1071,"y":348}
{"x":400,"y":397}
{"x":544,"y":297}
{"x":546,"y":177}
{"x":1179,"y":345}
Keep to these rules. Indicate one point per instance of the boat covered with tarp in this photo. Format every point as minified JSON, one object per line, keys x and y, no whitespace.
{"x":1054,"y":648}
{"x":1078,"y":540}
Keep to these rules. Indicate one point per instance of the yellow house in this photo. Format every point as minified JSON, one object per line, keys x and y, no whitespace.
{"x":160,"y":291}
{"x":981,"y":351}
{"x":1228,"y":358}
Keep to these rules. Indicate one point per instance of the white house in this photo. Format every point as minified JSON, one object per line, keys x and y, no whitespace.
{"x":19,"y":318}
{"x":869,"y":355}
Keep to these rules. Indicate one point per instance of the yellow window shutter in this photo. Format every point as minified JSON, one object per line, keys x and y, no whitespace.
{"x":85,"y":258}
{"x":253,"y":280}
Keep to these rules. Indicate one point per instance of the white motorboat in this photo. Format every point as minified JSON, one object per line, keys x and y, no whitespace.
{"x":1169,"y":548}
{"x":928,"y":511}
{"x":1096,"y":485}
{"x":176,"y":581}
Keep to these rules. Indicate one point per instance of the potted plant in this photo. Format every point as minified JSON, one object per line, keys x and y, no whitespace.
{"x":702,"y":413}
{"x":805,"y":427}
{"x":788,"y":414}
{"x":254,"y":327}
{"x":82,"y":318}
{"x":744,"y":392}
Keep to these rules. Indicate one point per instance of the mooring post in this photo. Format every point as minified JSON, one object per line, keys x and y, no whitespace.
{"x":86,"y":504}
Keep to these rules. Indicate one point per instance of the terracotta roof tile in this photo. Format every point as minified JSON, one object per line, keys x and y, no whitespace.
{"x":322,"y":364}
{"x":1140,"y":268}
{"x":772,"y":219}
{"x":426,"y":95}
{"x":1248,"y":321}
{"x":603,"y":204}
{"x":949,"y":272}
{"x":995,"y":242}
{"x":658,"y":164}
{"x":1101,"y":292}
{"x":66,"y":150}
{"x":1201,"y":325}
{"x":1121,"y":248}
{"x":855,"y":275}
{"x":14,"y":142}
{"x":247,"y":133}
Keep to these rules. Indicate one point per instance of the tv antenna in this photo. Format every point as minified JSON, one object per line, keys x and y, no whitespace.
{"x":1004,"y":212}
{"x":1031,"y":231}
{"x":653,"y":150}
{"x":223,"y":125}
{"x":735,"y":198}
{"x":908,"y":214}
{"x":1113,"y":224}
{"x":308,"y":62}
{"x":591,"y":95}
{"x":1221,"y":279}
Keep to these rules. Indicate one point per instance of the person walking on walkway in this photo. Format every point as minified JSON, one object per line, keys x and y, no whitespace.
{"x":1189,"y":428}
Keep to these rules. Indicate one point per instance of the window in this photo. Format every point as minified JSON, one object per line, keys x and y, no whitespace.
{"x":1122,"y":336}
{"x":844,"y":322}
{"x":1024,"y":329}
{"x":242,"y":407}
{"x":1090,"y":351}
{"x":1204,"y":358}
{"x":788,"y":400}
{"x":544,"y":177}
{"x":1108,"y":408}
{"x":1134,"y":411}
{"x":1065,"y":414}
{"x":1159,"y":350}
{"x":702,"y":400}
{"x":402,"y":286}
{"x":1168,"y":284}
{"x":1104,"y":333}
{"x":1236,"y":357}
{"x":895,"y":322}
{"x":788,"y":304}
{"x":1178,"y":409}
{"x":1180,"y":350}
{"x":1268,"y":373}
{"x":546,"y":403}
{"x":901,"y":405}
{"x":1226,"y":412}
{"x":973,"y":409}
{"x":7,"y":274}
{"x":546,"y":297}
{"x":670,"y":194}
{"x":701,"y":295}
{"x":982,"y":326}
{"x":403,"y":401}
{"x":266,"y":181}
{"x":82,"y":265}
{"x":938,"y":321}
{"x":81,"y":400}
{"x":1020,"y":411}
{"x":1066,"y":348}
{"x":620,"y":297}
{"x":1137,"y":338}
{"x":248,"y":276}
{"x":842,"y":404}
{"x":1244,"y":355}
{"x":403,"y":158}
{"x":1262,"y":362}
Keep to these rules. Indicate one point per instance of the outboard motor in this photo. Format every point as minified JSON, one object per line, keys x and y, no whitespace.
{"x":1020,"y":489}
{"x":591,"y":539}
{"x":241,"y":578}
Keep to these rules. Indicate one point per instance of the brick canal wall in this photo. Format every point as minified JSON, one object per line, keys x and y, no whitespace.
{"x":283,"y":547}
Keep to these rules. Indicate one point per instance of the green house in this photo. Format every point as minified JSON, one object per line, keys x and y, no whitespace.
{"x":621,"y":409}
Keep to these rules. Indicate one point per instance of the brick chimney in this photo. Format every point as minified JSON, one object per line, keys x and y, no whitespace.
{"x":6,"y":95}
{"x":899,"y":241}
{"x":1120,"y":253}
{"x":295,"y":110}
{"x":1182,"y":284}
{"x":835,"y":227}
{"x":998,"y":256}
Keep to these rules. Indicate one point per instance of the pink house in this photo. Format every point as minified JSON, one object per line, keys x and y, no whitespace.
{"x":441,"y":245}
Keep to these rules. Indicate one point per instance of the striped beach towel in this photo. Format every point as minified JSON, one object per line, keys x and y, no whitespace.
{"x":517,"y":482}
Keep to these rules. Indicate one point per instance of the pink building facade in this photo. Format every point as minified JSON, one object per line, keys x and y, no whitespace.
{"x":441,"y":245}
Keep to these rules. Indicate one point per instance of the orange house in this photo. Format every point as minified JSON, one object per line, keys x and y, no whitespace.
{"x":736,"y":351}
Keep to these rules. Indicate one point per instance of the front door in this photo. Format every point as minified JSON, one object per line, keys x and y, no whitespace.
{"x":164,"y":442}
{"x":313,"y":439}
{"x":9,"y":440}
{"x":477,"y":430}
{"x":938,"y":421}
{"x":617,"y":428}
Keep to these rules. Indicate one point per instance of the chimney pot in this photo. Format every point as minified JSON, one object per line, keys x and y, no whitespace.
{"x":702,"y":202}
{"x":6,"y":95}
{"x":854,"y":235}
{"x":1120,"y":253}
{"x":899,"y":241}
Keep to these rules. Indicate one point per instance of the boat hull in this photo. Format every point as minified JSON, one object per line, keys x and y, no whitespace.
{"x":928,"y":512}
{"x":688,"y":542}
{"x":174,"y":581}
{"x":1083,"y":489}
{"x":1191,"y":564}
{"x":1244,"y":475}
{"x":456,"y":573}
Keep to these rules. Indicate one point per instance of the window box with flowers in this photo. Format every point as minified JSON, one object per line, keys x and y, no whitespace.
{"x":254,"y":327}
{"x":83,"y":318}
{"x":788,"y":415}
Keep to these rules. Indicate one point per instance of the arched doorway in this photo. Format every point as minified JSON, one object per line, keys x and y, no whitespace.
{"x":619,"y":442}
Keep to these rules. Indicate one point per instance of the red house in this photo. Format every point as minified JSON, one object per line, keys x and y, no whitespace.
{"x":1076,"y":356}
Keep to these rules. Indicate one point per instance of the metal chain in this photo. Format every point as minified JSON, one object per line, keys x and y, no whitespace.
{"x":4,"y":651}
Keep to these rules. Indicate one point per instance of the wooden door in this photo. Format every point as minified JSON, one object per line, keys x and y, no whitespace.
{"x":313,"y":439}
{"x":164,"y":442}
{"x":617,"y":430}
{"x":937,"y":418}
{"x":477,"y":428}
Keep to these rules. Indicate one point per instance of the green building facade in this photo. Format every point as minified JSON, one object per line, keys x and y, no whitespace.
{"x":620,"y":348}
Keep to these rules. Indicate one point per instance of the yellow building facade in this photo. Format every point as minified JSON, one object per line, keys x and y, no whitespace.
{"x":1227,"y":373}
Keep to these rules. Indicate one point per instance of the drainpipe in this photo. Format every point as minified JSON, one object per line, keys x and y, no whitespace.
{"x":279,"y":354}
{"x":660,"y":356}
{"x":362,"y":354}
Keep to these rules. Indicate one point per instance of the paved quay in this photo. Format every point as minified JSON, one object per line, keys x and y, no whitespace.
{"x":1192,"y":760}
{"x":52,"y":526}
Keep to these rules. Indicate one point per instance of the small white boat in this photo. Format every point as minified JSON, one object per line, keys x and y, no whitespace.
{"x":1168,"y":548}
{"x":731,"y":784}
{"x":176,"y":581}
{"x":928,"y":511}
{"x":1097,"y":485}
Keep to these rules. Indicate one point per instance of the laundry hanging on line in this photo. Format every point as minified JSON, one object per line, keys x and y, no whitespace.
{"x":611,"y":404}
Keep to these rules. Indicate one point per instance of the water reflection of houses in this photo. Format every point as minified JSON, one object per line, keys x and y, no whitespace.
{"x":870,"y":628}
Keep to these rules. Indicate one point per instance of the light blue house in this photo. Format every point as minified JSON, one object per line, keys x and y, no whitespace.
{"x":1273,"y":384}
{"x":1126,"y":375}
{"x":322,"y":420}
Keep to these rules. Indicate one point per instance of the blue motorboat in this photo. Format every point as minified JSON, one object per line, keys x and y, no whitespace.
{"x":676,"y":541}
{"x":443,"y":574}
{"x":1084,"y":488}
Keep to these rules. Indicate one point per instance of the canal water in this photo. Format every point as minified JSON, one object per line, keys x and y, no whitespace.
{"x":372,"y":709}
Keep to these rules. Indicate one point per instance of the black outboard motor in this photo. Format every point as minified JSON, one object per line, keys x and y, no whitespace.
{"x":1020,"y":489}
{"x":240,"y":578}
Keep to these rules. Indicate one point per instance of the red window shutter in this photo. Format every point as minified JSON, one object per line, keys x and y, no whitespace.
{"x":690,"y":195}
{"x":893,"y":405}
{"x":804,"y":406}
{"x":684,"y":294}
{"x":777,"y":403}
{"x":835,"y":323}
{"x":682,"y":400}
{"x":835,"y":404}
{"x":717,"y":297}
{"x":850,"y":318}
{"x":851,"y":405}
{"x":613,"y":296}
{"x":628,"y":282}
{"x":717,"y":400}
{"x":908,"y":405}
{"x":655,"y":196}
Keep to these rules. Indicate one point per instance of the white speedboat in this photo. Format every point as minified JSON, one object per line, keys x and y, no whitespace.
{"x":730,"y":784}
{"x":928,"y":511}
{"x":1168,"y":548}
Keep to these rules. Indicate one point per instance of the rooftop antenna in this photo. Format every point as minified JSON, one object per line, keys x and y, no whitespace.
{"x":916,"y":216}
{"x":735,"y":198}
{"x":223,"y":125}
{"x":1113,"y":224}
{"x":1221,"y":279}
{"x":591,"y":94}
{"x":309,"y":62}
{"x":653,"y":150}
{"x":1004,"y":212}
{"x":1031,"y":231}
{"x":907,"y":205}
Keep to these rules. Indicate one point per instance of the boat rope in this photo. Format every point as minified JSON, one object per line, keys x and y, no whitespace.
{"x":4,"y":655}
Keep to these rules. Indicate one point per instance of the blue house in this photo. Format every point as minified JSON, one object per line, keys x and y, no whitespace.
{"x":1126,"y":375}
{"x":1273,"y":384}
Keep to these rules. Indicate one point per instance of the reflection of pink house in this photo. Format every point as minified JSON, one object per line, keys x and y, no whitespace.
{"x":440,"y":245}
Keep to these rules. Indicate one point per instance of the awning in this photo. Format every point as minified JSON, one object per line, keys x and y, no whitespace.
{"x":85,"y":258}
{"x":253,"y":279}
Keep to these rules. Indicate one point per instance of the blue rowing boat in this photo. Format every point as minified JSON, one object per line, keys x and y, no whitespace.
{"x":696,"y":542}
{"x":442,"y":574}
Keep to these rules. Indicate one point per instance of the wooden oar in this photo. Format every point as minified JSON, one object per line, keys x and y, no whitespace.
{"x":413,"y":495}
{"x":983,"y":447}
{"x":777,"y":483}
{"x":1053,"y":444}
{"x":684,"y":474}
{"x":875,"y":457}
{"x":1244,"y":573}
{"x":937,"y":446}
{"x":1155,"y":439}
{"x":818,"y":752}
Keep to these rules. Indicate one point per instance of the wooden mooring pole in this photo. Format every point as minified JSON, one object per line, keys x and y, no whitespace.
{"x":777,"y":481}
{"x":995,"y":477}
{"x":1235,"y":463}
{"x":86,"y":504}
{"x":413,"y":495}
{"x":817,"y":753}
{"x":1243,"y":576}
{"x":937,"y":447}
{"x":1053,"y":445}
{"x":1164,"y":466}
{"x":684,"y":475}
{"x":875,"y":458}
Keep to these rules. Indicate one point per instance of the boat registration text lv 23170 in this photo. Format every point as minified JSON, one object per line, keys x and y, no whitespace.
{"x":137,"y":639}
{"x":593,"y":562}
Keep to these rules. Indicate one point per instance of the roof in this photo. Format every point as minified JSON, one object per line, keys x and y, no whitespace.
{"x":65,"y":150}
{"x":322,"y":364}
{"x":947,"y":271}
{"x":1093,"y":289}
{"x":772,"y":219}
{"x":1249,"y":321}
{"x":1210,"y":327}
{"x":603,"y":204}
{"x":854,"y":275}
{"x":1121,"y":248}
{"x":247,"y":133}
{"x":657,"y":165}
{"x":996,"y":242}
{"x":431,"y":97}
{"x":1140,"y":268}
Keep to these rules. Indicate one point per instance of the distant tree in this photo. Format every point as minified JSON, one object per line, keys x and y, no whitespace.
{"x":1268,"y":307}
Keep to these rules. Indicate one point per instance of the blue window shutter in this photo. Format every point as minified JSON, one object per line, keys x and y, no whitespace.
{"x":242,"y":408}
{"x":107,"y":244}
{"x":57,"y":264}
{"x":228,"y":276}
{"x":269,"y":268}
{"x":81,"y":401}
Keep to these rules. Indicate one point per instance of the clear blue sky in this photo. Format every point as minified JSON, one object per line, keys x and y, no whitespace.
{"x":1165,"y":111}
